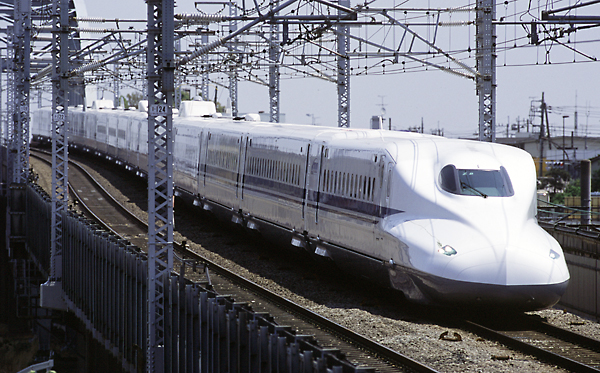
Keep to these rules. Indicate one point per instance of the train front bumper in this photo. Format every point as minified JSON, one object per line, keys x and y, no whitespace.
{"x":437,"y":290}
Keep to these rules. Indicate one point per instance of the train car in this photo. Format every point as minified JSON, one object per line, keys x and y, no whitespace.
{"x":444,"y":221}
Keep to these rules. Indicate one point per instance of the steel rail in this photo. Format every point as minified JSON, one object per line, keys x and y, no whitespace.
{"x":544,"y":354}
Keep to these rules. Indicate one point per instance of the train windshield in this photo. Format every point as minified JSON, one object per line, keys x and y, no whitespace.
{"x":483,"y":183}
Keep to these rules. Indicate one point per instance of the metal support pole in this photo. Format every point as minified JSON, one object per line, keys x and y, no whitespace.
{"x":178,"y":81}
{"x":117,"y":98}
{"x":274,"y":68}
{"x":10,"y":88}
{"x":486,"y":69}
{"x":2,"y":112}
{"x":51,"y":294}
{"x":542,"y":136}
{"x":161,"y":68}
{"x":343,"y":71}
{"x":233,"y":90}
{"x":233,"y":73}
{"x":204,"y":69}
{"x":586,"y":191}
{"x":60,"y":159}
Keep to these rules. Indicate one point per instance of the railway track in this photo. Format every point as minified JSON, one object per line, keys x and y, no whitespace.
{"x":99,"y":205}
{"x":546,"y":342}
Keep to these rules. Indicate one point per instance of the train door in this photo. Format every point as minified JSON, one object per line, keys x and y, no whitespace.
{"x":243,"y":159}
{"x":136,"y":143}
{"x":305,"y":181}
{"x":203,"y":151}
{"x":199,"y":179}
{"x":387,"y":188}
{"x":313,"y":185}
{"x":240,"y":171}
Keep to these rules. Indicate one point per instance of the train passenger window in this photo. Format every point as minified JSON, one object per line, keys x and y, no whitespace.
{"x":373,"y":190}
{"x":483,"y":183}
{"x":335,"y":182}
{"x":360,"y":190}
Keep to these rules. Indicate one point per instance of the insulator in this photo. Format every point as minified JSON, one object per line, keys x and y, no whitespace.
{"x":90,"y":19}
{"x":88,"y":67}
{"x":200,"y":17}
{"x":200,"y":51}
{"x":95,"y":30}
{"x":456,"y":23}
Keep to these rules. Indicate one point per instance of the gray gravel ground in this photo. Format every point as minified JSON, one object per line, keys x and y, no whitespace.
{"x":376,"y":313}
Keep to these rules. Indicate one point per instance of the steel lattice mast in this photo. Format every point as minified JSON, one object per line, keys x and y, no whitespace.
{"x":343,"y":71}
{"x":233,"y":70}
{"x":161,"y":68}
{"x":10,"y":87}
{"x":204,"y":69}
{"x":60,"y":90}
{"x":274,"y":68}
{"x":486,"y":69}
{"x":20,"y":115}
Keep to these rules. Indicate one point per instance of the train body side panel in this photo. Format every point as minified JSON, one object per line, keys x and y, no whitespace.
{"x":349,"y":197}
{"x":274,"y":178}
{"x":222,"y":167}
{"x":186,"y":154}
{"x":101,"y":131}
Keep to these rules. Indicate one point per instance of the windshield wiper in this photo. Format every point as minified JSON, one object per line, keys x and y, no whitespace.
{"x":465,"y":185}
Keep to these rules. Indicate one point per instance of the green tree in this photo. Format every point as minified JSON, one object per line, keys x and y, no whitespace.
{"x":132,"y":99}
{"x":558,"y":178}
{"x":573,"y":189}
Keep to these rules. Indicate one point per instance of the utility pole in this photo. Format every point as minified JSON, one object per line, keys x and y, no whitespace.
{"x":541,"y":162}
{"x":563,"y":138}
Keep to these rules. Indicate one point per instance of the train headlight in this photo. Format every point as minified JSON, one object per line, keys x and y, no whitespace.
{"x":554,"y":254}
{"x":447,"y":250}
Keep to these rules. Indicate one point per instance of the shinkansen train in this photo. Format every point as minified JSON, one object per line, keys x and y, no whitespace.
{"x":444,"y":221}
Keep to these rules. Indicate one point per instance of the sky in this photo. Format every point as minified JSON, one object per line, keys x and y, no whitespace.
{"x":433,"y":97}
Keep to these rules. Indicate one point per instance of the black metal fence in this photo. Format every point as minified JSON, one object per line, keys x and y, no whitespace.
{"x":104,"y":284}
{"x":582,"y":252}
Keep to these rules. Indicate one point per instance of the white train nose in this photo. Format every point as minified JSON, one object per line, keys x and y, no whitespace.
{"x":518,"y":279}
{"x":509,"y":266}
